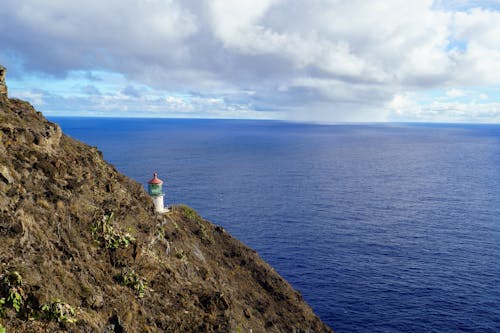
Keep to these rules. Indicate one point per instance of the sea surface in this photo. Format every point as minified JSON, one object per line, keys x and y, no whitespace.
{"x":382,"y":228}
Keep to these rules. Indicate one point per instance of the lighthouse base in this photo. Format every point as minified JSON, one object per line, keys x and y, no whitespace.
{"x":159,"y":205}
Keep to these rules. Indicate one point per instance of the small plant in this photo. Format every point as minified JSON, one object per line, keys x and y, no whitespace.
{"x":180,"y":254}
{"x":170,"y":219}
{"x":160,"y":232}
{"x":189,"y":213}
{"x":13,"y":278}
{"x":203,"y":230}
{"x":2,"y":309}
{"x":176,"y":226}
{"x":11,"y":287}
{"x":192,"y":216}
{"x":203,"y":233}
{"x":104,"y":232}
{"x":15,"y":298}
{"x":3,"y":329}
{"x":59,"y":311}
{"x":131,"y":279}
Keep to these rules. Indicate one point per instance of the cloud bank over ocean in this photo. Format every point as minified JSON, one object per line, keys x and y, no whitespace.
{"x":389,"y":60}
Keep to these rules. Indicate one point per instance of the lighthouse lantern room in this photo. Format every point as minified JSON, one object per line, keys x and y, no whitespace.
{"x":156,"y":192}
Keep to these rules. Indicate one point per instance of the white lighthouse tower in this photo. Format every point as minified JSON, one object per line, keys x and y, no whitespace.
{"x":155,"y":191}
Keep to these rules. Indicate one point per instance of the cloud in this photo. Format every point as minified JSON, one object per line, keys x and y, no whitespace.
{"x":90,"y":90}
{"x":406,"y":107}
{"x":127,"y":100}
{"x":131,"y":91}
{"x":316,"y":60}
{"x":464,"y":5}
{"x":455,"y":93}
{"x":34,"y":96}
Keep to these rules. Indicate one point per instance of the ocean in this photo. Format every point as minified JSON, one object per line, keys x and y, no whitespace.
{"x":381,"y":227}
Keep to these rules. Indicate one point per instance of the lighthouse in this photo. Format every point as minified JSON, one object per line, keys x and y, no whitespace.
{"x":155,"y":191}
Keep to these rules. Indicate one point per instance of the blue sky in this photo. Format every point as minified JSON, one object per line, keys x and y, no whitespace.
{"x":318,"y":60}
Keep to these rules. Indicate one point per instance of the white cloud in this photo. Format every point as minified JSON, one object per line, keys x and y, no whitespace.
{"x":129,"y":99}
{"x":35,"y":97}
{"x":455,"y":93}
{"x":328,"y":60}
{"x":478,"y":25}
{"x":407,"y":108}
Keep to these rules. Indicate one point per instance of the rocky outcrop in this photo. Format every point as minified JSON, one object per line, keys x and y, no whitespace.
{"x":82,"y":249}
{"x":3,"y":86}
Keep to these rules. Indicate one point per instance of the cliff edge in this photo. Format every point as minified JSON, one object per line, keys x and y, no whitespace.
{"x":3,"y":86}
{"x":82,"y":249}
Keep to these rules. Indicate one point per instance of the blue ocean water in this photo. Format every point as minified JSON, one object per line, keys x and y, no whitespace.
{"x":382,"y":228}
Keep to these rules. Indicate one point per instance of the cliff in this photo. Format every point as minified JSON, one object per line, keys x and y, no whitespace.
{"x":82,"y":250}
{"x":3,"y":86}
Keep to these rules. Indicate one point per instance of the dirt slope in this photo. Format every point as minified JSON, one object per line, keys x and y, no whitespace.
{"x":81,"y":249}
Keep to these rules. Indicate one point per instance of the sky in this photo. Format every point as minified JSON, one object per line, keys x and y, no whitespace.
{"x":316,"y":60}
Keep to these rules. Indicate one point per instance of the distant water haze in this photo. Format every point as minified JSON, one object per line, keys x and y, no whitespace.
{"x":382,"y":228}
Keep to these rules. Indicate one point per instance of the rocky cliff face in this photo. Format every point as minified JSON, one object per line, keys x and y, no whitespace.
{"x":82,"y":250}
{"x":3,"y":86}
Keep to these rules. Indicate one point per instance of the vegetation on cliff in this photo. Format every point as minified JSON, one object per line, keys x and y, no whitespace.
{"x":82,"y":250}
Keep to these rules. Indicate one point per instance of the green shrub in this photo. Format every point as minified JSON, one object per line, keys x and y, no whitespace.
{"x":15,"y":298}
{"x":192,"y":216}
{"x":59,"y":311}
{"x":2,"y":309}
{"x":176,"y":226}
{"x":131,"y":279}
{"x":105,"y":233}
{"x":202,"y":231}
{"x":160,"y":232}
{"x":12,"y":292}
{"x":180,"y":254}
{"x":13,"y":278}
{"x":189,"y":213}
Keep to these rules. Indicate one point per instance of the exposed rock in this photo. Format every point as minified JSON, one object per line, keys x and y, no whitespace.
{"x":3,"y":86}
{"x":96,"y":302}
{"x":5,"y":175}
{"x":84,"y":237}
